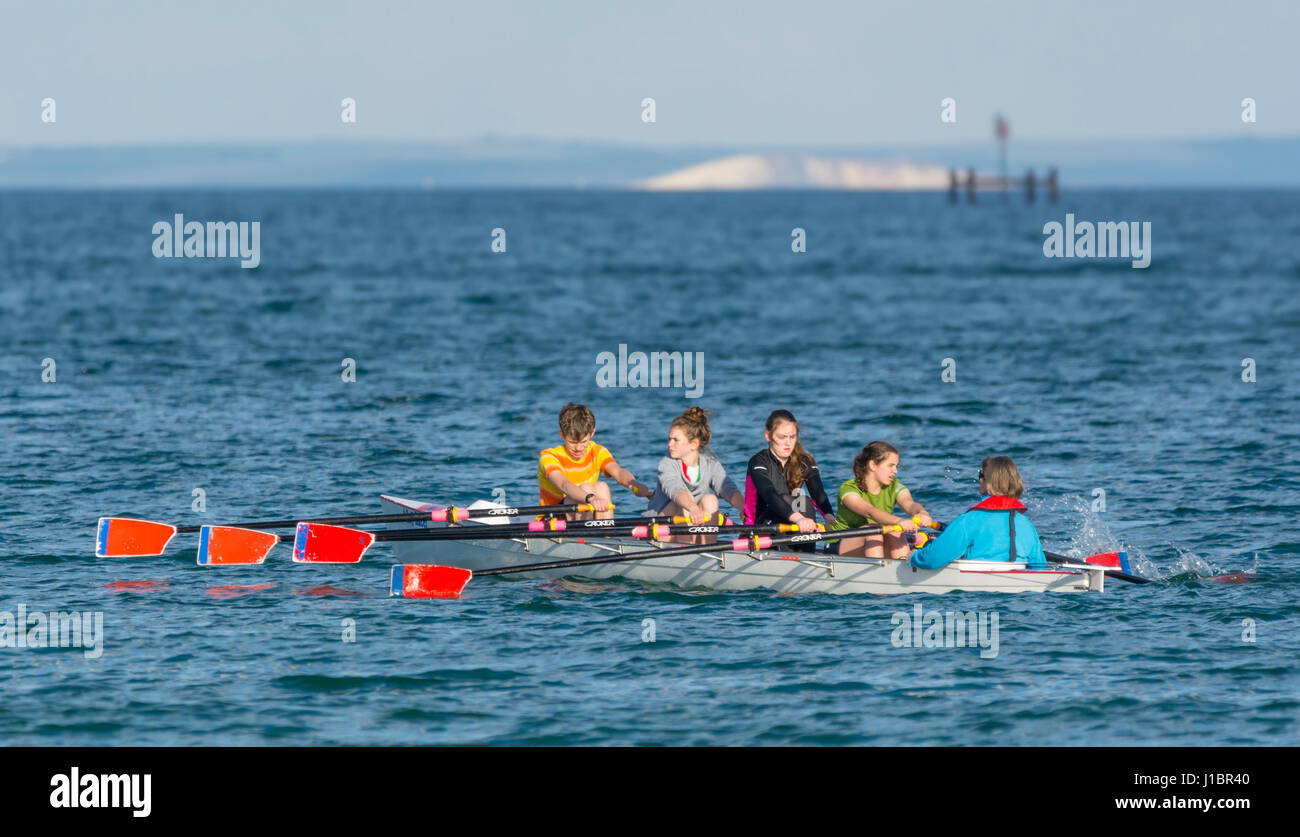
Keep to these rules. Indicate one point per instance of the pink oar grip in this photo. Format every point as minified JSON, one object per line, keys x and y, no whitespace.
{"x":641,"y":531}
{"x":438,"y":515}
{"x":744,"y":544}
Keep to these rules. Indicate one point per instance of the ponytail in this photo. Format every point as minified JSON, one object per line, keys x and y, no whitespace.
{"x":695,"y":423}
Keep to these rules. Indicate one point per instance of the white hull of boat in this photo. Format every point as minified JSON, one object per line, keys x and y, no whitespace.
{"x":783,"y":572}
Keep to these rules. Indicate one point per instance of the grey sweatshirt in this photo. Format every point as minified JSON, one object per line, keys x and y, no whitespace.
{"x":713,"y":480}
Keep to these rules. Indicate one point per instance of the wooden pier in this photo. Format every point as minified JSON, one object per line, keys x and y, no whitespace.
{"x":1001,"y":182}
{"x":971,"y":182}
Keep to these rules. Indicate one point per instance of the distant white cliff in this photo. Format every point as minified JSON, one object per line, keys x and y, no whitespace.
{"x":799,"y":171}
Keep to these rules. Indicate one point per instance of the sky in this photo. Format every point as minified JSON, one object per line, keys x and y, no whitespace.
{"x":761,"y":74}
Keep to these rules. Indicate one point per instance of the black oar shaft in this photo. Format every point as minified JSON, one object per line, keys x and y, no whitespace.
{"x":1061,"y":559}
{"x":494,"y":532}
{"x":475,"y":514}
{"x":617,"y":525}
{"x":401,"y":517}
{"x":407,"y":517}
{"x":668,"y":552}
{"x":1122,"y":576}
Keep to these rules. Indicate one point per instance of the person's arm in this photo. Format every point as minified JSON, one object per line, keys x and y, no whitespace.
{"x":570,"y":488}
{"x":673,"y":485}
{"x":951,"y":544}
{"x":624,"y":477}
{"x":914,"y":508}
{"x":884,"y":518}
{"x":1034,"y":559}
{"x":725,"y":489}
{"x":732,"y":494}
{"x":818,"y":494}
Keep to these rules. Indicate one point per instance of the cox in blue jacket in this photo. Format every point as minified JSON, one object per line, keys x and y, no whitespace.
{"x":984,"y":534}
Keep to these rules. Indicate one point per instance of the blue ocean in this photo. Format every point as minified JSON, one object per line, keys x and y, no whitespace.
{"x":421,"y":343}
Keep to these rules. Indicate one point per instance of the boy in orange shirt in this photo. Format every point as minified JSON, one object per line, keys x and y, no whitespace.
{"x":571,"y":472}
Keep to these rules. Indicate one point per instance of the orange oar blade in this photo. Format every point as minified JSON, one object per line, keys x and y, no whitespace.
{"x":319,"y":543}
{"x":231,"y":545}
{"x":122,"y":536}
{"x":428,"y":581}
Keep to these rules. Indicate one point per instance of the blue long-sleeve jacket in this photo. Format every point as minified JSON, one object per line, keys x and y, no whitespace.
{"x":984,"y":534}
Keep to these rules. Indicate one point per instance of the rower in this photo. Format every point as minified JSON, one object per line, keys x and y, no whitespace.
{"x":570,"y":473}
{"x":994,"y":529}
{"x":777,"y":472}
{"x":870,"y":498}
{"x":691,"y":478}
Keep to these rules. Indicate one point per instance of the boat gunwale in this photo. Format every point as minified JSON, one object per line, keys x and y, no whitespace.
{"x":961,"y":565}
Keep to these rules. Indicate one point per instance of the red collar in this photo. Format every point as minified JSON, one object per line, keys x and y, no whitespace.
{"x":997,"y":503}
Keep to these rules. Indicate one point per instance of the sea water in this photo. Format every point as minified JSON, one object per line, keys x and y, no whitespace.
{"x":382,"y":345}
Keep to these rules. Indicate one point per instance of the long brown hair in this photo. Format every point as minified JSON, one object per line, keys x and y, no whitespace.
{"x":800,"y":461}
{"x":874,"y":452}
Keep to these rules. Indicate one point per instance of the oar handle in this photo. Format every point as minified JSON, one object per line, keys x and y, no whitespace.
{"x":455,"y":514}
{"x":681,"y":550}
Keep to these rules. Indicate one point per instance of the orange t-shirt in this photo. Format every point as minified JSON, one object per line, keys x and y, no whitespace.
{"x":587,"y":470}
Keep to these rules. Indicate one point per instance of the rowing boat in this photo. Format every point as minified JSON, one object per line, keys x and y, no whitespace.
{"x":770,"y":569}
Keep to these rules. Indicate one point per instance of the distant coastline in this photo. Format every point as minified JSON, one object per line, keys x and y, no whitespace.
{"x":523,"y":163}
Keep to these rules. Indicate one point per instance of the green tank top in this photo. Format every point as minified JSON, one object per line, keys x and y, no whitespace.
{"x":886,"y":500}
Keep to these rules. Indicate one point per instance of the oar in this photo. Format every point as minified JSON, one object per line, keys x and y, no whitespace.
{"x":572,"y":528}
{"x":119,"y":537}
{"x":1122,"y":576}
{"x":317,"y":543}
{"x":1107,"y":559}
{"x":322,"y":543}
{"x":439,"y":582}
{"x":652,"y":531}
{"x":549,"y":527}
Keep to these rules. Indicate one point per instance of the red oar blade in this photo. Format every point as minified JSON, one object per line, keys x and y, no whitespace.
{"x":319,"y":543}
{"x":428,"y":581}
{"x":1118,"y":560}
{"x":121,"y":536}
{"x":228,"y":545}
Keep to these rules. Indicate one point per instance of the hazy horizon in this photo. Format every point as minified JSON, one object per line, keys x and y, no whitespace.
{"x":753,"y":75}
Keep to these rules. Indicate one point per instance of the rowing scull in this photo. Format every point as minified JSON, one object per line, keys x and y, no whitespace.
{"x":784,"y":572}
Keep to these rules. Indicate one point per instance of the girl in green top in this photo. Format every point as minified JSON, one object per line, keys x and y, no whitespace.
{"x":870,"y":498}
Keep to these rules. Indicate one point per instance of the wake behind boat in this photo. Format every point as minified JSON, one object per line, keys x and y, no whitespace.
{"x":721,"y":569}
